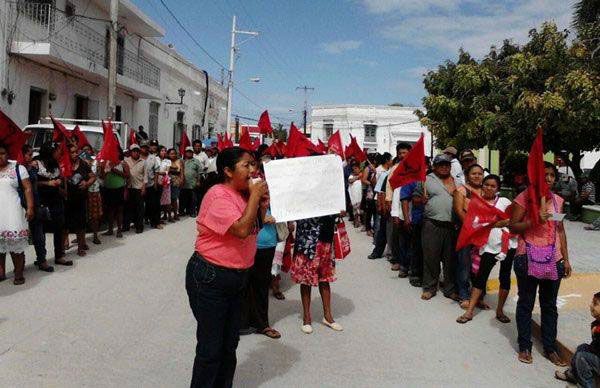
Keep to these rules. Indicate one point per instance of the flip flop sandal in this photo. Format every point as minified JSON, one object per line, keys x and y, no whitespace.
{"x":566,"y":375}
{"x":18,"y":281}
{"x":307,"y":329}
{"x":271,"y":333}
{"x":462,"y":319}
{"x":503,"y":318}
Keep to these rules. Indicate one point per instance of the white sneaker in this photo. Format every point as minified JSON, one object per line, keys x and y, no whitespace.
{"x":334,"y":326}
{"x":307,"y":329}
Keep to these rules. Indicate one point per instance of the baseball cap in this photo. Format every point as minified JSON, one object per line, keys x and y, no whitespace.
{"x":467,"y":155}
{"x":134,"y":147}
{"x":450,"y":150}
{"x":188,"y":148}
{"x":144,"y":143}
{"x":442,"y":158}
{"x":153,"y":142}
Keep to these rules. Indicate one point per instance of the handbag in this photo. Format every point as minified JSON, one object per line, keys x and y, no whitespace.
{"x":541,"y":260}
{"x":20,"y":188}
{"x":341,"y":241}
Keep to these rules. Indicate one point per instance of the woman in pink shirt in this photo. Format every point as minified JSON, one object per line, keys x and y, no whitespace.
{"x":216,"y":274}
{"x":541,"y":261}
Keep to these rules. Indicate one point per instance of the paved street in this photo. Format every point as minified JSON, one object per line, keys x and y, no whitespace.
{"x":120,"y":318}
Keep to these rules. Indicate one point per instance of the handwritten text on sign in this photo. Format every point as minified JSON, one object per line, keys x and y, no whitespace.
{"x":305,"y":187}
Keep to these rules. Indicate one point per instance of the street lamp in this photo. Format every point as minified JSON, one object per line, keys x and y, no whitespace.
{"x":181,"y":93}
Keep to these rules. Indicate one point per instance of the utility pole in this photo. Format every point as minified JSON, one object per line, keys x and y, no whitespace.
{"x":232,"y":52}
{"x":112,"y":59}
{"x":306,"y":89}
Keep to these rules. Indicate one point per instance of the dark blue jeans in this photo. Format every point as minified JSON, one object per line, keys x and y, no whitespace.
{"x":38,"y":238}
{"x":548,"y":292}
{"x":463,"y":273}
{"x":215,"y":296}
{"x":585,"y":365}
{"x":416,"y":254}
{"x":380,"y":237}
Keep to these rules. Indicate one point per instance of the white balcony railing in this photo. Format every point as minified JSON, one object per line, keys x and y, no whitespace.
{"x":41,"y":22}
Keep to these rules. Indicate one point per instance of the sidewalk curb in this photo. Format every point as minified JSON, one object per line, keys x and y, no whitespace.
{"x":564,"y":351}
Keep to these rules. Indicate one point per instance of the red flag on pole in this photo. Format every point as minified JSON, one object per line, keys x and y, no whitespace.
{"x":479,"y":221}
{"x":334,"y":144}
{"x":66,"y":167}
{"x":219,"y":142}
{"x":412,"y":168}
{"x":264,"y":123}
{"x":110,"y":145}
{"x":538,"y":188}
{"x":245,"y":141}
{"x":354,"y":150}
{"x":132,"y":137}
{"x":298,"y":144}
{"x":82,"y":140}
{"x":185,"y":142}
{"x":12,"y":137}
{"x":321,"y":147}
{"x":60,"y":132}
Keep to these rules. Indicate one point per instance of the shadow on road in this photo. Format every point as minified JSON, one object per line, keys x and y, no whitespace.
{"x":266,"y":362}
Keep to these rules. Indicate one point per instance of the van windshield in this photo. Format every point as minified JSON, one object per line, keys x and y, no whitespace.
{"x":43,"y":135}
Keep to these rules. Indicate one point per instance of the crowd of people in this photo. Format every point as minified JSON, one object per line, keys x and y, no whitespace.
{"x":149,"y":187}
{"x":241,"y":249}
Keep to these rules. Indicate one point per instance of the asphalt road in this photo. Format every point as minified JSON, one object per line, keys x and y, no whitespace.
{"x":120,"y":318}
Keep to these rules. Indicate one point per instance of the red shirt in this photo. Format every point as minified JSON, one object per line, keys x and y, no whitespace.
{"x":221,"y":207}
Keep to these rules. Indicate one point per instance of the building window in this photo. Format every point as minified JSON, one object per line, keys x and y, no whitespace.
{"x":328,"y":130}
{"x":120,"y":51}
{"x":178,"y":128}
{"x":69,"y":9}
{"x":196,"y":132}
{"x":81,"y":107}
{"x":153,"y":120}
{"x":371,"y":133}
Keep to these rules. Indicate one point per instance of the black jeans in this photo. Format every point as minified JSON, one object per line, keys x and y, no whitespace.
{"x":255,"y":308}
{"x":152,"y":201}
{"x":548,"y":291}
{"x":215,"y":296}
{"x":487,"y":263}
{"x":438,"y":241}
{"x":56,"y":226}
{"x":187,"y":202}
{"x":380,"y":237}
{"x":134,"y":210}
{"x":416,"y":254}
{"x":370,"y":209}
{"x":38,"y":238}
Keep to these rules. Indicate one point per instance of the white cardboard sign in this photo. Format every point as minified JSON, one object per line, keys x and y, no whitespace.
{"x":305,"y":187}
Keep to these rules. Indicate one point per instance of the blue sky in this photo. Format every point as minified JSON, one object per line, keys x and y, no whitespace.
{"x":350,"y":51}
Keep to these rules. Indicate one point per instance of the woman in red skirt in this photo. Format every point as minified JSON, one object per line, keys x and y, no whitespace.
{"x":314,"y":265}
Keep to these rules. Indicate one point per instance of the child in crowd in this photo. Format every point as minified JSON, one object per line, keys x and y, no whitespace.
{"x":585,"y":364}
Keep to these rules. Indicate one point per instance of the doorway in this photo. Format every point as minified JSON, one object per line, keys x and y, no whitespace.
{"x":36,"y":97}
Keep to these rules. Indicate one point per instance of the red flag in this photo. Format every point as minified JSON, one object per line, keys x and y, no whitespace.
{"x":245,"y":141}
{"x":219,"y":142}
{"x":185,"y":142}
{"x":132,"y":137}
{"x":479,"y":221}
{"x":228,"y":143}
{"x":321,"y":147}
{"x":335,"y":144}
{"x":66,"y":168}
{"x":354,"y":150}
{"x":537,"y":188}
{"x":298,"y":144}
{"x":110,"y":145}
{"x":412,"y":168}
{"x":82,"y":140}
{"x":264,"y":123}
{"x":12,"y":137}
{"x":60,"y":133}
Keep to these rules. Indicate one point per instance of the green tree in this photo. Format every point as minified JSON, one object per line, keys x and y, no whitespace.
{"x":500,"y":100}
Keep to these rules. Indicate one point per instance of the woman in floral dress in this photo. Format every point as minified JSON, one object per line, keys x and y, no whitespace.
{"x":314,"y":265}
{"x":13,"y":217}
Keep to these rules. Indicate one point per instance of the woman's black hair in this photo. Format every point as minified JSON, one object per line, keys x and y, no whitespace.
{"x":385,"y":157}
{"x":494,"y":177}
{"x":228,"y":158}
{"x":26,"y":148}
{"x":553,"y":167}
{"x":47,"y":156}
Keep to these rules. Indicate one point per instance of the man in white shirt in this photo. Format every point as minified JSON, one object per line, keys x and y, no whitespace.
{"x":456,"y":170}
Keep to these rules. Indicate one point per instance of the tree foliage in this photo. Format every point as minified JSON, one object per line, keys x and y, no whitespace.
{"x":500,"y":100}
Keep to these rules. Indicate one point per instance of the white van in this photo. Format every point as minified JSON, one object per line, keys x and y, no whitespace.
{"x":92,"y":129}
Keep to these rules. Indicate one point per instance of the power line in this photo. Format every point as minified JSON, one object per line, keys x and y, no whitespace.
{"x":190,"y":35}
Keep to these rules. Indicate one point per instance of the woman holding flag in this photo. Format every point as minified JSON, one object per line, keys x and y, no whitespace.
{"x":542,"y":258}
{"x":500,"y":246}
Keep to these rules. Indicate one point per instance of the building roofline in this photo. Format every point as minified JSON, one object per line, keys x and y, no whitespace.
{"x":342,"y":106}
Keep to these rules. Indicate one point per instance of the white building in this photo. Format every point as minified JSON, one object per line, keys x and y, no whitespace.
{"x":53,"y":59}
{"x":377,"y":128}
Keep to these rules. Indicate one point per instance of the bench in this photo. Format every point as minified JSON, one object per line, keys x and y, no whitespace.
{"x":590,"y":213}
